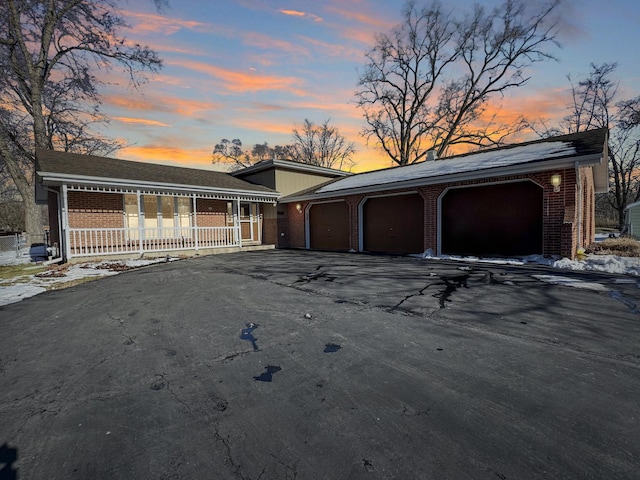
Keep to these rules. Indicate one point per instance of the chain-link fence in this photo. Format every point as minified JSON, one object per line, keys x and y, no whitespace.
{"x":10,"y":243}
{"x":19,"y":245}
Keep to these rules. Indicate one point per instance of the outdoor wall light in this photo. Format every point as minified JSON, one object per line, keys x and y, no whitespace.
{"x":556,"y":180}
{"x":298,"y":207}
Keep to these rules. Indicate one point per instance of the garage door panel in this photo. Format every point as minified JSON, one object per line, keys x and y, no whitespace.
{"x":503,"y":220}
{"x":329,"y":226}
{"x":393,"y":224}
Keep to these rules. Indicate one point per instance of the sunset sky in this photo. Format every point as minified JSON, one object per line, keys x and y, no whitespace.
{"x":254,"y":69}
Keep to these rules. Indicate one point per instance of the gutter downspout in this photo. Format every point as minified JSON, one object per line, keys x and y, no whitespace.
{"x":65,"y":223}
{"x":579,"y":209}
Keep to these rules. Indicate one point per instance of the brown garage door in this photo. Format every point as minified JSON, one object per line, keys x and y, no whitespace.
{"x":393,"y":224}
{"x":501,"y":220}
{"x":329,"y":226}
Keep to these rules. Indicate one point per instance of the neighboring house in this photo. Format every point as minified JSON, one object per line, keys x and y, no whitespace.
{"x":103,"y":206}
{"x":530,"y":198}
{"x":286,"y":177}
{"x":632,"y":227}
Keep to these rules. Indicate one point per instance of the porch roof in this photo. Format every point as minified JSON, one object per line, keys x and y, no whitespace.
{"x":56,"y":168}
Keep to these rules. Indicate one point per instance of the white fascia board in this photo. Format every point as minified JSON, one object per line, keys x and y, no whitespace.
{"x":523,"y":168}
{"x":58,"y":179}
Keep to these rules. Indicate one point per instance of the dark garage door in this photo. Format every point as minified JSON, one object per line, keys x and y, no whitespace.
{"x":502,"y":220}
{"x":329,"y":226}
{"x":394,"y":224}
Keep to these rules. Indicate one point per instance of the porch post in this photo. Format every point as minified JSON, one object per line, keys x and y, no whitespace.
{"x":65,"y":222}
{"x":140,"y":225}
{"x":195,"y":220}
{"x":236,"y":222}
{"x":259,"y":222}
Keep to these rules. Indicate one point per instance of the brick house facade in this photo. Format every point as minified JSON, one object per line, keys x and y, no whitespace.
{"x":101,"y":206}
{"x":568,"y":210}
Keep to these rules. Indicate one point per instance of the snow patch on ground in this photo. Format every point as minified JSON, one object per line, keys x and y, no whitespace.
{"x":11,"y":258}
{"x":31,"y":285}
{"x":571,"y":282}
{"x":595,"y":263}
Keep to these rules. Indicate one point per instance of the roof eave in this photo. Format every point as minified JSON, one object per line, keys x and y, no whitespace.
{"x":531,"y":167}
{"x":56,"y":179}
{"x":291,"y":166}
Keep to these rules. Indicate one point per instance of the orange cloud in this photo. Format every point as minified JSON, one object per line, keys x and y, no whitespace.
{"x":239,"y":82}
{"x":185,"y":157}
{"x":161,"y":103}
{"x":141,"y":121}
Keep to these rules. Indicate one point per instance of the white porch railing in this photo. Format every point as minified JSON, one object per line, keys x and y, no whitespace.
{"x":109,"y":241}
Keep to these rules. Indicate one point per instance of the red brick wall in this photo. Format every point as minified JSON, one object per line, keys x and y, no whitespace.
{"x":95,"y":210}
{"x":211,"y":213}
{"x":296,"y":225}
{"x":559,"y":211}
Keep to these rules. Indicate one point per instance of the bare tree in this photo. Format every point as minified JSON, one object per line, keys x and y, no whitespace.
{"x":322,"y":145}
{"x":594,"y":105}
{"x":230,"y":151}
{"x":427,"y":84}
{"x":50,"y":51}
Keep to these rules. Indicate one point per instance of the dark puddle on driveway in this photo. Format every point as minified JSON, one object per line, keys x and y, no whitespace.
{"x":268,"y":375}
{"x":331,"y":348}
{"x":450,"y":284}
{"x":247,"y":334}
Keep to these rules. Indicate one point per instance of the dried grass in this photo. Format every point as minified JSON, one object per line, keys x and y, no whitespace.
{"x":623,"y":247}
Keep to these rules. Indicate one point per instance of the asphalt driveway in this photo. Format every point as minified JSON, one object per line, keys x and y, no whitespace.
{"x":307,"y":365}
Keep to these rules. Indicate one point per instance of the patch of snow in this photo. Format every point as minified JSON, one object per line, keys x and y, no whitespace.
{"x":463,"y":164}
{"x":19,"y":291}
{"x":10,"y":257}
{"x":572,"y":282}
{"x":602,"y":263}
{"x":594,"y":263}
{"x":39,"y":283}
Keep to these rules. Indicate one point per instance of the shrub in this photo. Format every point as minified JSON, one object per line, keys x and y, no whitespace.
{"x":624,"y":247}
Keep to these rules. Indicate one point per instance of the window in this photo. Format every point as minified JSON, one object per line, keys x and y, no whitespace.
{"x":164,"y":216}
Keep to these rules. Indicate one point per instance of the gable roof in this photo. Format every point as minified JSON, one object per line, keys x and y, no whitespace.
{"x":290,"y":165}
{"x":587,"y":148}
{"x":55,"y":168}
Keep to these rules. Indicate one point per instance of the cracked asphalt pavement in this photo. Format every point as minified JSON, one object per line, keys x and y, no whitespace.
{"x":309,"y":365}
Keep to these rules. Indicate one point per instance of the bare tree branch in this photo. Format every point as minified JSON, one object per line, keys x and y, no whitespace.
{"x":427,"y":84}
{"x":50,"y":51}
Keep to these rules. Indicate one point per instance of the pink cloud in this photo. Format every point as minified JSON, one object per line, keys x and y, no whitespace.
{"x":140,"y":121}
{"x":153,"y":23}
{"x":297,"y":13}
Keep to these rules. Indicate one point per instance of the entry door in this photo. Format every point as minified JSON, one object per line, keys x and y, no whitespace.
{"x":249,"y":222}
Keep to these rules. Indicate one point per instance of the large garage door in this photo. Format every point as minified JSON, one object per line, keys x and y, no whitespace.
{"x":393,"y":224}
{"x":329,"y":226}
{"x":502,"y":220}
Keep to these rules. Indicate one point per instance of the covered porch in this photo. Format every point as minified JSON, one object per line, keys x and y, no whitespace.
{"x":102,"y":221}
